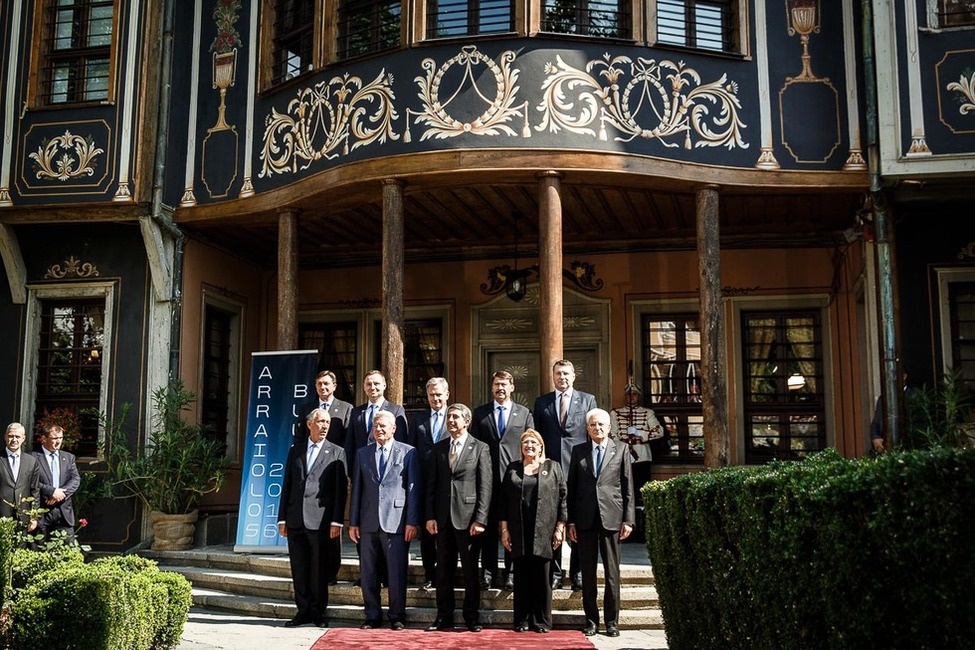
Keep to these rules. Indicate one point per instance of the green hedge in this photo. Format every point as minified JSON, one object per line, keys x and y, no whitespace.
{"x":111,"y":604}
{"x":8,"y":540}
{"x":824,"y":553}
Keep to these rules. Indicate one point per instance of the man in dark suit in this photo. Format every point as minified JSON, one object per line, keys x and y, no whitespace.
{"x":426,"y":429}
{"x":360,"y":426}
{"x":341,"y":414}
{"x":384,"y":517}
{"x":560,"y":416}
{"x":312,"y":506}
{"x":340,"y":411}
{"x":59,"y":479}
{"x":458,"y":497}
{"x":19,"y":478}
{"x":601,"y":514}
{"x":499,"y":424}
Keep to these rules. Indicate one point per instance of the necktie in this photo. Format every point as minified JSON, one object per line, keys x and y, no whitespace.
{"x":599,"y":459}
{"x":325,"y":406}
{"x":501,"y":422}
{"x":13,"y":465}
{"x":311,"y":453}
{"x":382,"y":462}
{"x":453,"y":454}
{"x":435,"y":426}
{"x":372,"y":411}
{"x":563,"y":409}
{"x":55,"y":470}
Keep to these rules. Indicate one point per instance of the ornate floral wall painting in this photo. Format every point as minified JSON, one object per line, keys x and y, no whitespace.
{"x":221,"y":142}
{"x":807,"y":96}
{"x":955,"y":77}
{"x":66,"y":158}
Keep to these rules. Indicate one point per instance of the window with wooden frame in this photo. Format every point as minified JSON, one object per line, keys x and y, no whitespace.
{"x":699,"y":24}
{"x":955,"y":13}
{"x":784,"y":403}
{"x":670,"y":346}
{"x":75,"y":52}
{"x":596,"y":18}
{"x":289,"y":38}
{"x":368,"y":26}
{"x":423,"y":358}
{"x":956,"y":316}
{"x":338,"y":350}
{"x":450,"y":18}
{"x":220,"y":361}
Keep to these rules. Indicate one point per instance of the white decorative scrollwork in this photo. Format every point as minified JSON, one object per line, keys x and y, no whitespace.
{"x":73,"y":267}
{"x":508,"y":324}
{"x":651,"y":104}
{"x":68,"y":166}
{"x":967,"y":89}
{"x":500,"y":110}
{"x":326,"y":117}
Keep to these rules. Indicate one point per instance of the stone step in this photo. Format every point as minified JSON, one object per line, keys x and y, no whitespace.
{"x":632,"y":596}
{"x":630,"y":619}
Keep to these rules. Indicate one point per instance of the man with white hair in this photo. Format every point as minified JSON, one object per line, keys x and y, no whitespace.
{"x":20,"y":478}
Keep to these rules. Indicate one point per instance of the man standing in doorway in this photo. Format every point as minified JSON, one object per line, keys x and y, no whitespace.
{"x":499,"y":424}
{"x":59,"y":479}
{"x":560,"y":416}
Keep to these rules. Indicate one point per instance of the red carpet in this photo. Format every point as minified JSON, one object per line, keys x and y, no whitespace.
{"x":354,"y":639}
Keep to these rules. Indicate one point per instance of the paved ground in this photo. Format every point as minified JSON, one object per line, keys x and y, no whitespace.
{"x":209,"y":630}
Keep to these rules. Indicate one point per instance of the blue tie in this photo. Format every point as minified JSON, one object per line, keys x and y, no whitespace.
{"x":501,"y":422}
{"x":372,"y":411}
{"x":382,"y":462}
{"x":435,"y":427}
{"x":599,"y":459}
{"x":55,"y":470}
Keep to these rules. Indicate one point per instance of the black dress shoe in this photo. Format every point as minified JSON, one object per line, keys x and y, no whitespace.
{"x":440,"y":624}
{"x":556,"y":583}
{"x":521,"y":628}
{"x":577,"y":585}
{"x":612,"y":630}
{"x":296,"y":621}
{"x":320,"y":621}
{"x":509,"y":584}
{"x":369,"y":625}
{"x":474,"y":627}
{"x":485,"y":584}
{"x":589,"y":630}
{"x":541,"y":629}
{"x":427,"y":585}
{"x":397,"y":626}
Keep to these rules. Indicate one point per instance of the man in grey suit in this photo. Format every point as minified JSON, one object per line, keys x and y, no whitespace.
{"x":458,"y":497}
{"x":59,"y":479}
{"x":426,"y":430}
{"x":19,"y":478}
{"x":499,"y":424}
{"x":560,"y":416}
{"x":341,"y":415}
{"x":601,"y":514}
{"x":384,"y":517}
{"x":312,"y":506}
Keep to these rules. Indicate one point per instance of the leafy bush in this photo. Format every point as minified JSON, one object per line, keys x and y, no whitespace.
{"x":8,"y":538}
{"x":29,"y":564}
{"x":940,"y":416}
{"x":824,"y":553}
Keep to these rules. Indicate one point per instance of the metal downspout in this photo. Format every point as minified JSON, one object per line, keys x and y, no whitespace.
{"x":885,"y":285}
{"x":165,"y":72}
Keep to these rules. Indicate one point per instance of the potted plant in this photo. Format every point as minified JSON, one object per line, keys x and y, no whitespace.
{"x":177,"y":467}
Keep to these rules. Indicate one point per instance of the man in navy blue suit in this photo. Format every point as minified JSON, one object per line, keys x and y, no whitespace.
{"x":360,"y":426}
{"x":384,"y":517}
{"x":560,"y":416}
{"x":59,"y":479}
{"x":426,"y":430}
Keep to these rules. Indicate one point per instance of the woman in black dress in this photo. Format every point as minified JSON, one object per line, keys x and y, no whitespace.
{"x":533,"y":512}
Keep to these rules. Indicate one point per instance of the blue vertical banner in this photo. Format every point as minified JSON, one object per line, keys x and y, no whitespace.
{"x":280,"y":383}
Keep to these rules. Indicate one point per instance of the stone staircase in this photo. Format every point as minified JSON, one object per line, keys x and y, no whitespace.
{"x":260,"y":585}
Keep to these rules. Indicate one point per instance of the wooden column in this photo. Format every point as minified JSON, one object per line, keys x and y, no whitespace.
{"x":393,"y":325}
{"x":287,"y":279}
{"x":714,"y":387}
{"x":549,"y":274}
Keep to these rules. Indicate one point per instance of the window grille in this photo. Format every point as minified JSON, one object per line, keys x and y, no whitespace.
{"x":77,"y":45}
{"x":367,"y":26}
{"x":701,"y":24}
{"x":293,"y":42}
{"x":448,"y":18}
{"x":598,"y":18}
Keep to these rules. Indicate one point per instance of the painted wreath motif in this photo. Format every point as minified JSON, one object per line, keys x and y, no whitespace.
{"x":651,"y":104}
{"x":67,"y":165}
{"x":500,"y":109}
{"x":331,"y":113}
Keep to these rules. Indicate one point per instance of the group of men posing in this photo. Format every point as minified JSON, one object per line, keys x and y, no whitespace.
{"x":437,"y":479}
{"x":36,"y":487}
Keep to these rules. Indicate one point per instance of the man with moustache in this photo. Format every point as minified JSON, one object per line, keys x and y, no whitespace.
{"x":560,"y":416}
{"x":426,"y":430}
{"x":499,"y":424}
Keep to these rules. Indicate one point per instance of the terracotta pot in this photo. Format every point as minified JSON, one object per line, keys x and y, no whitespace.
{"x":172,"y":532}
